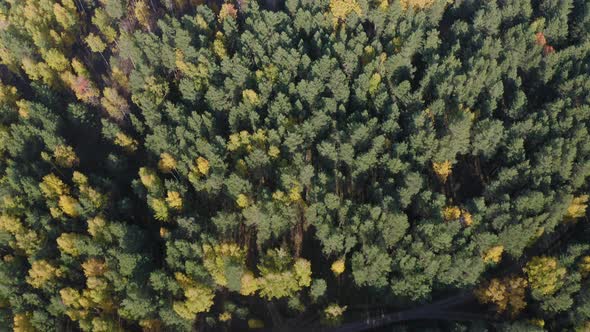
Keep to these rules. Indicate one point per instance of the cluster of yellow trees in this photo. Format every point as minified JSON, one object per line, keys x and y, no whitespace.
{"x":280,"y":276}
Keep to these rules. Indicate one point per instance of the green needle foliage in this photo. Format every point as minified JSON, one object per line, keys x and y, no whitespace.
{"x":178,"y":165}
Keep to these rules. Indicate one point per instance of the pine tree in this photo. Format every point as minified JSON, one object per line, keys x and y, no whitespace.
{"x":416,"y":144}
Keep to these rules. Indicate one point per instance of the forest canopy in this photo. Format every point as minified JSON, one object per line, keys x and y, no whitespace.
{"x":178,"y":165}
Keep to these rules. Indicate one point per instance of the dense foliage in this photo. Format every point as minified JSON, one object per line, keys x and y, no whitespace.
{"x":176,"y":165}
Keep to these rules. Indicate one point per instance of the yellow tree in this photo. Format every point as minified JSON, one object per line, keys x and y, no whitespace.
{"x":96,"y":225}
{"x":202,"y":165}
{"x":56,"y":60}
{"x":333,"y":314}
{"x":53,"y":187}
{"x":302,"y":269}
{"x":66,"y":14}
{"x":8,"y":94}
{"x":142,"y":13}
{"x":126,"y":142}
{"x":149,"y":178}
{"x":25,"y":239}
{"x":115,"y":105}
{"x":243,"y":201}
{"x":70,"y":243}
{"x":198,"y":297}
{"x":104,"y":24}
{"x":94,"y":267}
{"x":23,"y":108}
{"x":71,"y":298}
{"x":544,"y":275}
{"x":374,"y":83}
{"x":274,"y":151}
{"x":277,"y":285}
{"x":340,"y":9}
{"x":219,"y":46}
{"x":494,"y":254}
{"x":451,"y":213}
{"x":225,"y":263}
{"x":11,"y":224}
{"x":82,"y":86}
{"x":442,"y":169}
{"x":416,"y":4}
{"x":151,"y":325}
{"x":249,"y":283}
{"x":87,"y":193}
{"x":507,"y":294}
{"x":95,"y":43}
{"x":69,"y":205}
{"x":41,"y":272}
{"x":65,"y":156}
{"x":160,"y":209}
{"x":227,"y":10}
{"x":281,"y":276}
{"x":466,"y":218}
{"x":338,"y":267}
{"x":22,"y":323}
{"x":250,"y":97}
{"x":174,"y":200}
{"x":39,"y":71}
{"x":167,"y":163}
{"x":577,"y":208}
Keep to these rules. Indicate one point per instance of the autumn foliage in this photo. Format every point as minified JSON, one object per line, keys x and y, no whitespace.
{"x":192,"y":165}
